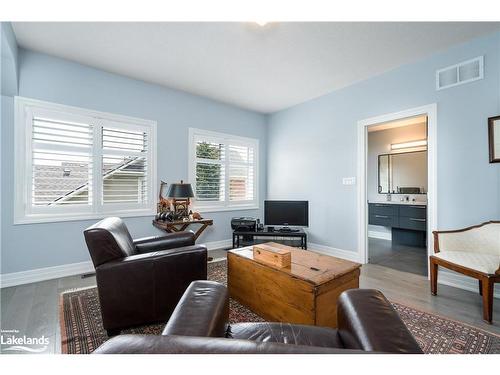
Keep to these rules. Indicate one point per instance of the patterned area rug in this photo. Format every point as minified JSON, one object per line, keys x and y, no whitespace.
{"x":82,"y":331}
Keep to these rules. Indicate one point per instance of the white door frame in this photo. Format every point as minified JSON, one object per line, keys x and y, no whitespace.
{"x":431,"y":112}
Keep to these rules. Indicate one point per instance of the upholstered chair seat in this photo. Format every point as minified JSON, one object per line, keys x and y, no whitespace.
{"x":484,"y":263}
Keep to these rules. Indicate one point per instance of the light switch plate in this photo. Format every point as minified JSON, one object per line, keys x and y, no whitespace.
{"x":349,"y":180}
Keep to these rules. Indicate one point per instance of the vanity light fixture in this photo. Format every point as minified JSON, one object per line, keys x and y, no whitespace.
{"x":411,"y":144}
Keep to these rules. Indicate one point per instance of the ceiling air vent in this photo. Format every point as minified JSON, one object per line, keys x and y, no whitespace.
{"x":464,"y":72}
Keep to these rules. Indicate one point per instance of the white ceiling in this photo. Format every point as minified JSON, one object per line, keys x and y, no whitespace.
{"x":264,"y":69}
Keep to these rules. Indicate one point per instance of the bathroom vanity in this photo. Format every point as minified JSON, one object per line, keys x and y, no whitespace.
{"x":407,"y":220}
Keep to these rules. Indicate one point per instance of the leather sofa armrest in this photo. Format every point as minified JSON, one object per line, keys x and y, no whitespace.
{"x":169,"y":241}
{"x":367,"y":321}
{"x":202,"y":311}
{"x":153,"y":344}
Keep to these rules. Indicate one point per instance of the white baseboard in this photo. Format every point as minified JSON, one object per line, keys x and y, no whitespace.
{"x":380,"y":235}
{"x":216,"y":245}
{"x":72,"y":269}
{"x":47,"y":273}
{"x":447,"y":277}
{"x":339,"y":253}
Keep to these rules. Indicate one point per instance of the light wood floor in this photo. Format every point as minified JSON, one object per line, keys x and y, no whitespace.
{"x":32,"y":309}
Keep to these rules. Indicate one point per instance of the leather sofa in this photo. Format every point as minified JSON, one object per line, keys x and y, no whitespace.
{"x":141,"y":281}
{"x":366,"y":323}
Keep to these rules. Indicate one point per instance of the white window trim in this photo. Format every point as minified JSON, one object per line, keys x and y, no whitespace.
{"x":226,"y":205}
{"x":22,"y":155}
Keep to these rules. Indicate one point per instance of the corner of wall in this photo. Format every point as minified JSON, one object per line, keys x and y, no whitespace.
{"x":10,"y":61}
{"x":267,"y":121}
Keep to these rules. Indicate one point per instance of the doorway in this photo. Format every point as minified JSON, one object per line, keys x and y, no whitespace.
{"x":397,"y":189}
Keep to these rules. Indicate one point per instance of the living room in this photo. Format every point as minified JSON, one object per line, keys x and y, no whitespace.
{"x":161,"y":180}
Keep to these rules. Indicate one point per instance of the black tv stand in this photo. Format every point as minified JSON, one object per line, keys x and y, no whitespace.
{"x":294,"y":237}
{"x":287,"y":230}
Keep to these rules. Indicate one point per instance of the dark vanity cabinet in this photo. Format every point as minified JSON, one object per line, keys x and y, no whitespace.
{"x":408,"y":223}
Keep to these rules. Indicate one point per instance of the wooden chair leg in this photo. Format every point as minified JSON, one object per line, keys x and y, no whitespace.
{"x":434,"y":275}
{"x":487,"y":287}
{"x":480,"y":288}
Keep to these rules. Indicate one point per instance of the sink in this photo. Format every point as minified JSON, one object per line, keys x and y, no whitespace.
{"x":410,"y":203}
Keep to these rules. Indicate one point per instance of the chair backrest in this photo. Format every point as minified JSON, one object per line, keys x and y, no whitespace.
{"x":482,"y":239}
{"x":109,"y":239}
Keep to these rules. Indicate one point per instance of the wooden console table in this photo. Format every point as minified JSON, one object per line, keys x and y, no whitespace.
{"x":179,"y":226}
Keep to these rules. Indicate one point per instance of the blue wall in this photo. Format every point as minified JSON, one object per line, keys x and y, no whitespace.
{"x":313,"y":145}
{"x":310,"y":146}
{"x":43,"y":77}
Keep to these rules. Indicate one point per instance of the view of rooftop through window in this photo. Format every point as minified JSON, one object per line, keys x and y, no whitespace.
{"x":63,"y":164}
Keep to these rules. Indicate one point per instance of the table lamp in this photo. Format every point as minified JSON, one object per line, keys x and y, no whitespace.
{"x":180,"y":194}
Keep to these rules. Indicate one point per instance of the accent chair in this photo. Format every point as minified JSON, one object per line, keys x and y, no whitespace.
{"x":474,"y":252}
{"x":140,"y":281}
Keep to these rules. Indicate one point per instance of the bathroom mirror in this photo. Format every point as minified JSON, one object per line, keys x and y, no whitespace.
{"x":403,"y":173}
{"x":494,"y":138}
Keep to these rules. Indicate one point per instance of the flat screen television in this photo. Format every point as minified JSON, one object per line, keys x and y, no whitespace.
{"x":286,"y":213}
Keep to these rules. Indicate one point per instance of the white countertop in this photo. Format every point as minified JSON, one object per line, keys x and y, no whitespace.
{"x":410,"y":203}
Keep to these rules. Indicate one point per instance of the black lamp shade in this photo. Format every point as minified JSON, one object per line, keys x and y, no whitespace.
{"x":180,"y":191}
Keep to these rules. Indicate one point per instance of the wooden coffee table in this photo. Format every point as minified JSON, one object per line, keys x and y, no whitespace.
{"x":305,"y":293}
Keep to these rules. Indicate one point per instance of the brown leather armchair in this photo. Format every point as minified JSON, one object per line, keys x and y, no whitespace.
{"x":141,"y":281}
{"x":367,"y":323}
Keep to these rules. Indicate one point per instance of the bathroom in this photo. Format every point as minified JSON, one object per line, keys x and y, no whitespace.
{"x":397,"y":182}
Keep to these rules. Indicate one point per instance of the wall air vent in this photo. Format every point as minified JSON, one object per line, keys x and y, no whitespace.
{"x":464,"y":72}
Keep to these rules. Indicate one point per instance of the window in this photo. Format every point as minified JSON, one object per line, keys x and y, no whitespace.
{"x":81,"y":164}
{"x":223,"y":170}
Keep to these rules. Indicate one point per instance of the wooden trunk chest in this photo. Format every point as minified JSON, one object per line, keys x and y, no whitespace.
{"x":304,"y":293}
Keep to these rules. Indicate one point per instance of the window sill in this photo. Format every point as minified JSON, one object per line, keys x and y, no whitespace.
{"x":39,"y":219}
{"x":222,"y":209}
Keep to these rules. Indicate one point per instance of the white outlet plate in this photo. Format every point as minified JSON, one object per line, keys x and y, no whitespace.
{"x":349,"y":180}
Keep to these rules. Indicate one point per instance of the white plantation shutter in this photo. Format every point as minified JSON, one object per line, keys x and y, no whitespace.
{"x":241,"y":173}
{"x":61,"y":161}
{"x":71,"y":162}
{"x":223,"y":169}
{"x":124,"y":165}
{"x":210,"y":170}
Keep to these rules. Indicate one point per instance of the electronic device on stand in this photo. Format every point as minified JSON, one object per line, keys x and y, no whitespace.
{"x":286,"y":214}
{"x":283,"y":223}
